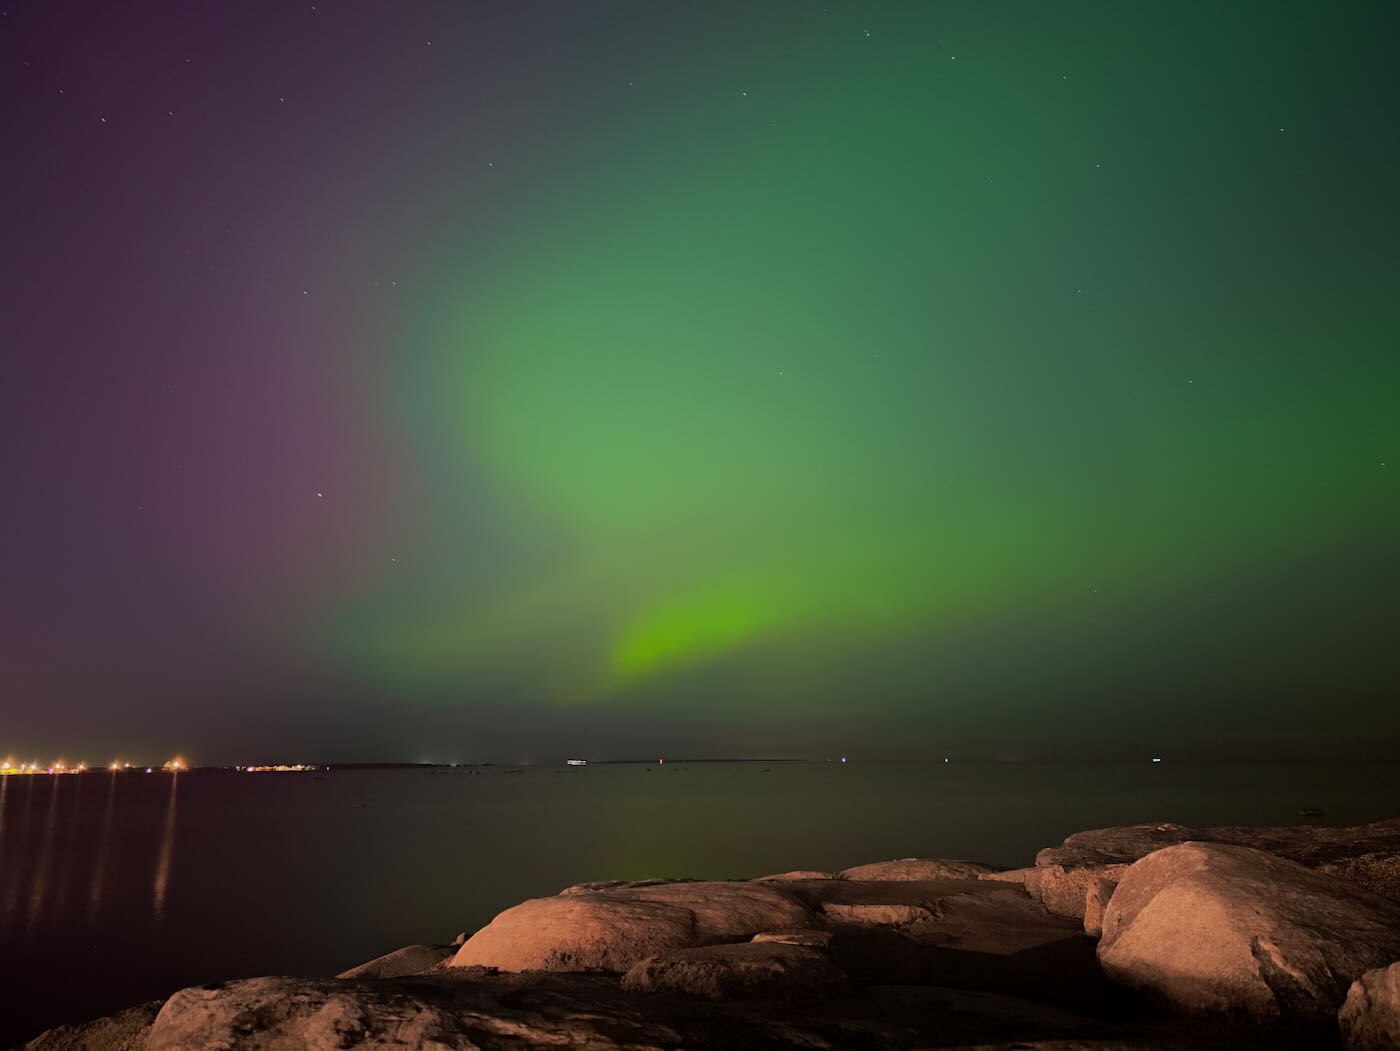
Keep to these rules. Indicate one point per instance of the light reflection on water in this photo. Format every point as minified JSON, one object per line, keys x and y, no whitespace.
{"x":167,"y":852}
{"x":39,"y":885}
{"x":69,"y":850}
{"x":104,"y":848}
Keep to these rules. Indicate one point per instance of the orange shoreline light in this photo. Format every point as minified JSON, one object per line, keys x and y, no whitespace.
{"x":59,"y":766}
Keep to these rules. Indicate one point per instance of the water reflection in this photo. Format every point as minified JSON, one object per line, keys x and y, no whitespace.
{"x":20,"y":856}
{"x":40,"y":886}
{"x":7,"y":867}
{"x":104,"y":846}
{"x":167,"y":850}
{"x":70,"y":847}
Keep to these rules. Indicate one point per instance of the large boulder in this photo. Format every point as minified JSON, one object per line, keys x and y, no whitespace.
{"x":907,"y":870}
{"x":610,"y":930}
{"x":1368,"y":855}
{"x":1233,"y":930}
{"x":766,"y":970}
{"x":581,"y":932}
{"x":1370,"y":1017}
{"x":411,"y":959}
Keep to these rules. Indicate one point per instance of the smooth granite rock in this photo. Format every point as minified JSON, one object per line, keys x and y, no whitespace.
{"x":1232,"y":930}
{"x":728,"y":911}
{"x":586,"y":932}
{"x":795,"y":874}
{"x":610,"y":930}
{"x":771,"y":971}
{"x":1370,"y":1016}
{"x":411,"y":959}
{"x":914,"y":869}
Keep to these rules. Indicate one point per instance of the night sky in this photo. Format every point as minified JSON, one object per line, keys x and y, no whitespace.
{"x":516,"y":380}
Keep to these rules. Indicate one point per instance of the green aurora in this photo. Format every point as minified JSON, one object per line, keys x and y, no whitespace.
{"x":806,"y":356}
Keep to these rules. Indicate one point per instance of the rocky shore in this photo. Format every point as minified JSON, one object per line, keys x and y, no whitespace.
{"x":1144,"y":937}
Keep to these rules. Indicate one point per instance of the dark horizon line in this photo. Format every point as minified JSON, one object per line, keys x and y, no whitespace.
{"x":140,"y":768}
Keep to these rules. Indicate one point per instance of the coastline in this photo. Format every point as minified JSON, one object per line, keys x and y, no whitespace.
{"x":1145,"y":936}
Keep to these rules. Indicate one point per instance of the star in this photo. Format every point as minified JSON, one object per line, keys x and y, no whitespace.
{"x":321,"y":494}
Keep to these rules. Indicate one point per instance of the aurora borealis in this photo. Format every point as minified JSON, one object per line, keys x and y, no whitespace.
{"x":468,"y":381}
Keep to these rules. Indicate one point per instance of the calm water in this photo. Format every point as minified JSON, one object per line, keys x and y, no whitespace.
{"x":118,"y":889}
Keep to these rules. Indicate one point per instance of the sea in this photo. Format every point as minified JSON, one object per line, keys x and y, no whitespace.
{"x":118,"y":888}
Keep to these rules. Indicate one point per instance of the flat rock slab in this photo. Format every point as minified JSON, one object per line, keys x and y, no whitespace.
{"x":124,"y":1031}
{"x":915,"y":870}
{"x":980,"y":916}
{"x":795,"y":874}
{"x":411,"y":959}
{"x":751,"y":970}
{"x":282,"y":1014}
{"x":881,"y":915}
{"x":812,"y":939}
{"x":1367,"y":854}
{"x":1232,"y":930}
{"x":1370,"y":1016}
